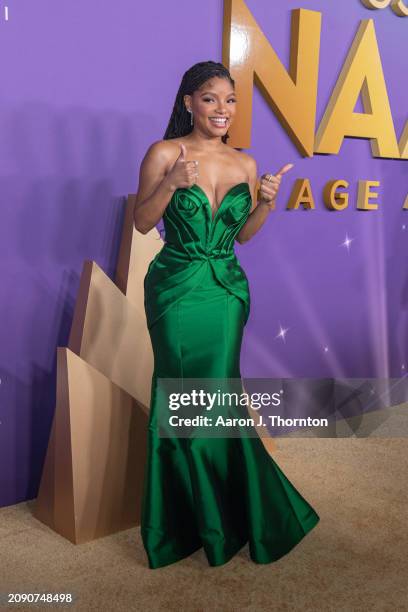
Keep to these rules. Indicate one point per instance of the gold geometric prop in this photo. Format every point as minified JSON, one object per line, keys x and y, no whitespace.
{"x":92,"y":476}
{"x":93,"y":470}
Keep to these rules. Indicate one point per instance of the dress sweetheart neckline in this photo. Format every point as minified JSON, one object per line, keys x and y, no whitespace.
{"x":222,"y":199}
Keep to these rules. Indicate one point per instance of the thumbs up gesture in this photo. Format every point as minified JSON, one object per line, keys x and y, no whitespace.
{"x":269,"y":185}
{"x":183,"y":173}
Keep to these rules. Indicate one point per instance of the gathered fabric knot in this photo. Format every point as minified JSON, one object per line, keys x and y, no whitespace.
{"x":212,"y":254}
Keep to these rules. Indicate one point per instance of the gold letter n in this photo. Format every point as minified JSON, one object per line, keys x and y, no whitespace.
{"x":251,"y":59}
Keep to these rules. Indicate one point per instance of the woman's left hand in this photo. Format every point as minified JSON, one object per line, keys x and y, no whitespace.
{"x":269,"y":185}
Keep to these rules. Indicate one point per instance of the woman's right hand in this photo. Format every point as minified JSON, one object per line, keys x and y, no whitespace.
{"x":183,"y":173}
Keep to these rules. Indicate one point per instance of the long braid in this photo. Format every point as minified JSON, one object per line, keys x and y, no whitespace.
{"x":193,"y":78}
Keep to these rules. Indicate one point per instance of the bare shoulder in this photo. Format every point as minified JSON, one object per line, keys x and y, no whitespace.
{"x":245,"y":158}
{"x":247,"y":161}
{"x":162,"y":150}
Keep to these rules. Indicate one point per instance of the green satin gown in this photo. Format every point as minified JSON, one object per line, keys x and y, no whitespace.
{"x":215,"y":493}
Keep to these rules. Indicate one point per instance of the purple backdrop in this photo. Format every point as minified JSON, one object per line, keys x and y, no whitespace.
{"x":86,"y":87}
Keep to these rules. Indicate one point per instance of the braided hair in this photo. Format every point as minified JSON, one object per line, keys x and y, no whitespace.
{"x":193,"y":78}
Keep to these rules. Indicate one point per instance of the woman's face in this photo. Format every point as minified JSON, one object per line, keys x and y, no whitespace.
{"x":213,"y":106}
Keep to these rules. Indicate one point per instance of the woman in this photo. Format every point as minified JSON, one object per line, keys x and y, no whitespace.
{"x":212,"y":492}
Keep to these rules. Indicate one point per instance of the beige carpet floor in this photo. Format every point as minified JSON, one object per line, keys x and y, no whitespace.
{"x":355,"y":559}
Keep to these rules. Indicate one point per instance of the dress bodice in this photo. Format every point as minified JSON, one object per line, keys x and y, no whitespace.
{"x":195,"y":238}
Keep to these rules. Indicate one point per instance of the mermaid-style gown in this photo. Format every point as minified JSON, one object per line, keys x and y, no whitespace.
{"x":216,"y":493}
